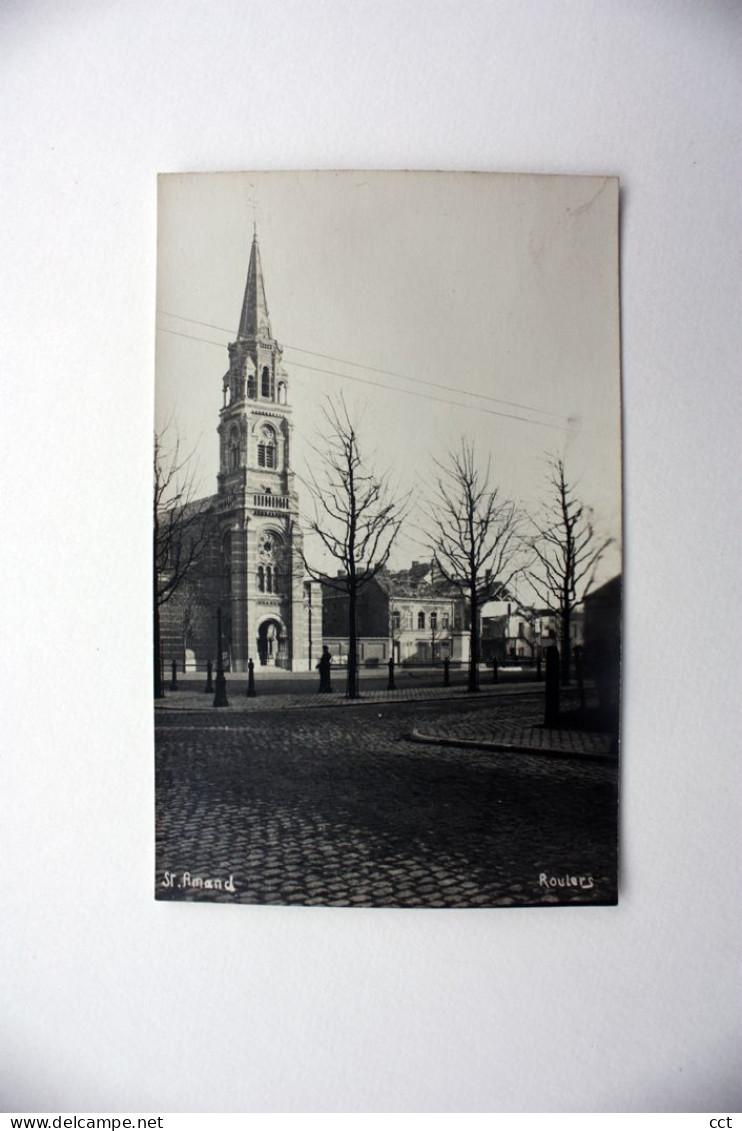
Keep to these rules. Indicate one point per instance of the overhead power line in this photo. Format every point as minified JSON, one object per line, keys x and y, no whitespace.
{"x":387,"y":388}
{"x":427,"y":396}
{"x":372,"y":369}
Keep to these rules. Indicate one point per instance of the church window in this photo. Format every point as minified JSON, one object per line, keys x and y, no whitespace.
{"x":421,"y":620}
{"x":261,"y":579}
{"x":227,"y":564}
{"x":268,"y":579}
{"x":265,"y":382}
{"x":233,"y":460}
{"x":282,"y":392}
{"x":267,"y":447}
{"x":251,"y":385}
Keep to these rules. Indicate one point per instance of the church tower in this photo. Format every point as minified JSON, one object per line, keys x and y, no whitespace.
{"x":268,"y":606}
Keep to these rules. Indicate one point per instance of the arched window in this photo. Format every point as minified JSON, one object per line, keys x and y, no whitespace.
{"x":282,"y":392}
{"x":251,"y":383}
{"x":233,"y":458}
{"x":261,"y":579}
{"x":268,"y":579}
{"x":267,"y":447}
{"x":265,"y":382}
{"x":421,"y":620}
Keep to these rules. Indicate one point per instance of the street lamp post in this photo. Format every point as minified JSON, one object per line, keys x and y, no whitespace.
{"x":220,"y":696}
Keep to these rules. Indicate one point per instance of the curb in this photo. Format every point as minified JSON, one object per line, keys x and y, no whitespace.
{"x":311,"y":701}
{"x":502,"y":746}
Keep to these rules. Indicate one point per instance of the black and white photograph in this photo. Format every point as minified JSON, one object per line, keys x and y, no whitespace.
{"x":380,"y":754}
{"x":387,"y":539}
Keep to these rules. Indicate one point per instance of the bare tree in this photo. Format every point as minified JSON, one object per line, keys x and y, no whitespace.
{"x":355,"y":518}
{"x":181,"y":534}
{"x":474,"y":535}
{"x":565,"y":552}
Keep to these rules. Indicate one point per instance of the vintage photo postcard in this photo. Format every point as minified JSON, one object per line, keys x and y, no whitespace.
{"x":387,"y":539}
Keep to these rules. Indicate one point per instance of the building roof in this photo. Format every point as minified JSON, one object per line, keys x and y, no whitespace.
{"x":419,"y":581}
{"x":254,"y":320}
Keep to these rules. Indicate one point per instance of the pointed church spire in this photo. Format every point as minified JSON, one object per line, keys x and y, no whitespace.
{"x":254,"y":320}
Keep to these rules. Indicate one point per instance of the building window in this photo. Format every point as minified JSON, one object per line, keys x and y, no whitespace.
{"x":444,"y":621}
{"x":421,"y":620}
{"x":251,"y":386}
{"x":282,"y":392}
{"x":265,"y":382}
{"x":267,"y":447}
{"x":433,"y":622}
{"x":261,"y":579}
{"x":226,"y":565}
{"x":396,"y":621}
{"x":266,"y":456}
{"x":233,"y":457}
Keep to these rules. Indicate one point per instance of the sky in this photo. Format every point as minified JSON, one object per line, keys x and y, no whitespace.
{"x":466,"y":305}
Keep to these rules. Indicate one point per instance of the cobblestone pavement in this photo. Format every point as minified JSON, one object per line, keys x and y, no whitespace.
{"x":340,"y":808}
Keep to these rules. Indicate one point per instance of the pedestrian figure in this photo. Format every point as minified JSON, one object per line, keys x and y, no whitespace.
{"x":323,"y":667}
{"x":250,"y":679}
{"x":391,"y":673}
{"x":446,"y":672}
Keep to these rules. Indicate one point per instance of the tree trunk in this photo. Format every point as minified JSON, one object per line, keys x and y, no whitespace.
{"x":352,"y":684}
{"x":565,"y":664}
{"x":159,"y":688}
{"x":473,"y":645}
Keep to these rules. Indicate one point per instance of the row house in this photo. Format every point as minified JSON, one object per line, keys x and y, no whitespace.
{"x":412,"y":615}
{"x":513,"y":632}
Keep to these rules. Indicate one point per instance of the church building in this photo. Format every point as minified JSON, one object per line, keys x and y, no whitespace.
{"x":253,"y":568}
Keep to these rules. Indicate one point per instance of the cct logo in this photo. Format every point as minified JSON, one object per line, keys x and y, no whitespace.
{"x":721,"y":1121}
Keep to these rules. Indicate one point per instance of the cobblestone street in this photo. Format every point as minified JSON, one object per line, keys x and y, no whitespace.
{"x":339,"y":807}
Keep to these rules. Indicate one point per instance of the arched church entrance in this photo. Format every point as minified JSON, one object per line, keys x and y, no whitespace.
{"x":272,"y":650}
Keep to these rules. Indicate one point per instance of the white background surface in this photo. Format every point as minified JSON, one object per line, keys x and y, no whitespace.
{"x":113,"y":1003}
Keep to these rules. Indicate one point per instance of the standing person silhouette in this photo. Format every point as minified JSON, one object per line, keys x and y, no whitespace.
{"x":323,"y":667}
